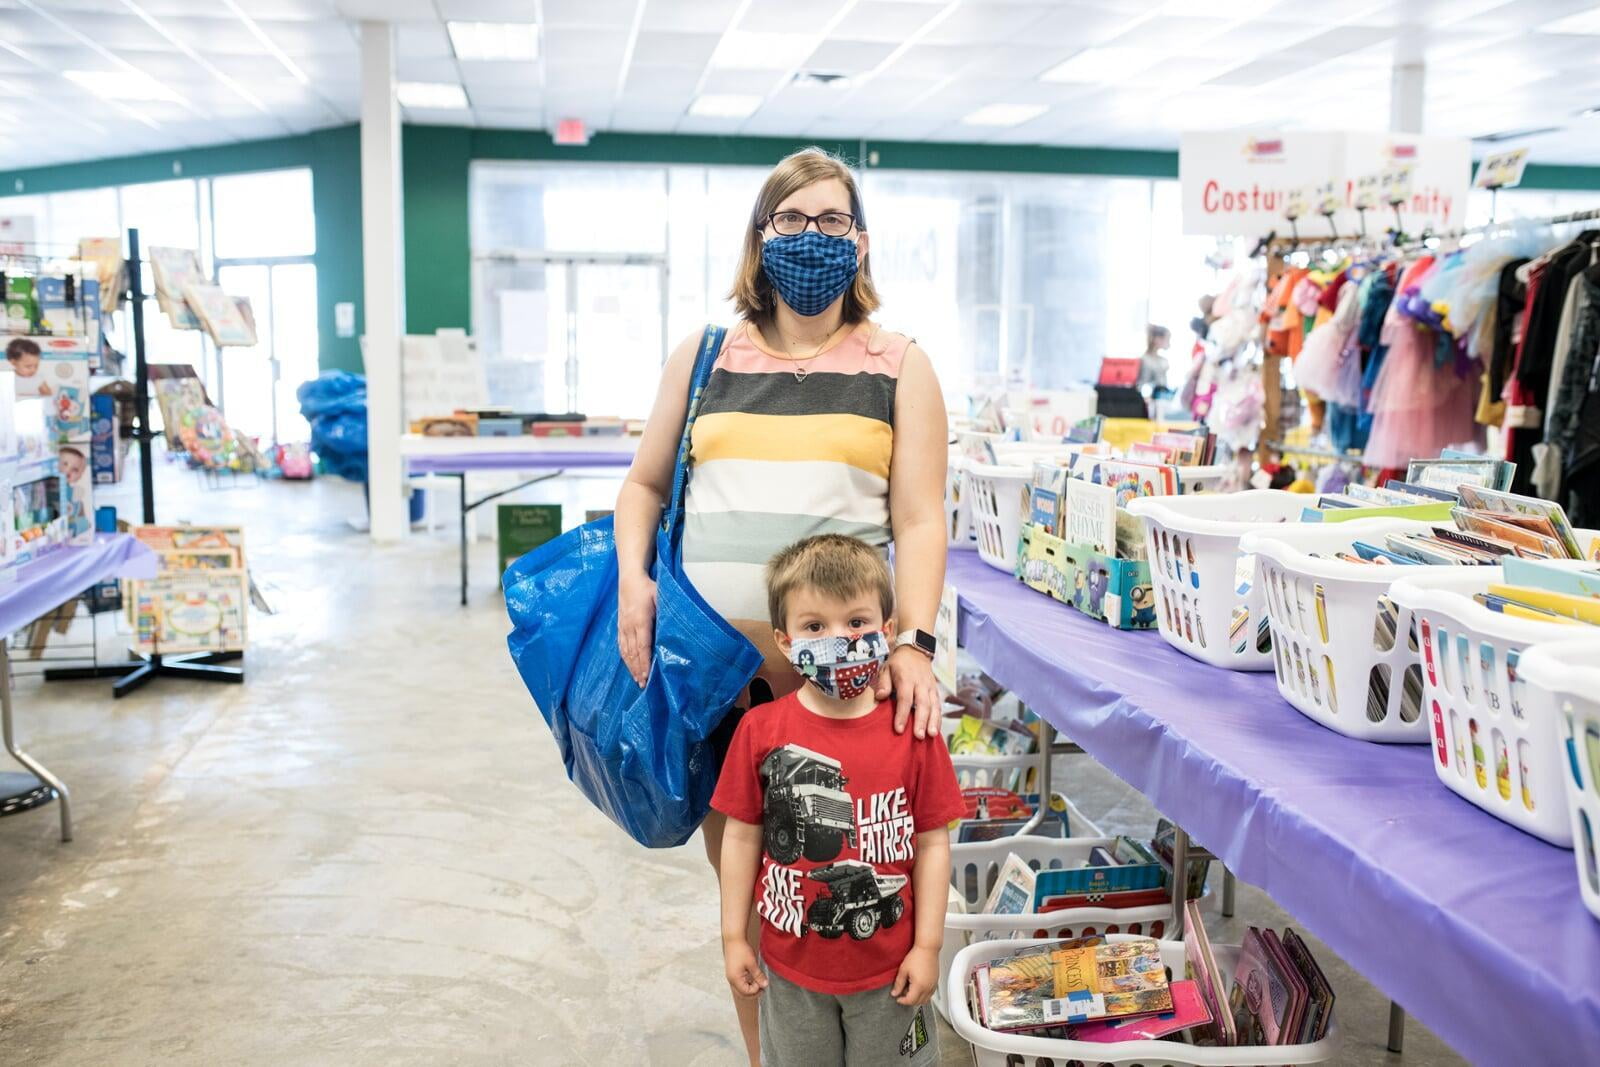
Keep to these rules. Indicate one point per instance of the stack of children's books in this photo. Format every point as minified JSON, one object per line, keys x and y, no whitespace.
{"x":1486,"y":526}
{"x":1085,"y":989}
{"x":1543,"y":590}
{"x":993,"y":812}
{"x":1279,"y":995}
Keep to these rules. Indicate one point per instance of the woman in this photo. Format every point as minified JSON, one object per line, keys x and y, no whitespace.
{"x":815,"y":420}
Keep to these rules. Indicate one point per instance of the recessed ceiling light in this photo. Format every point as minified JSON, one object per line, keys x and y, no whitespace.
{"x":121,"y":85}
{"x":750,"y":50}
{"x":1004,"y":114}
{"x":494,"y":40}
{"x":1584,"y":24}
{"x":440,"y":96}
{"x":724,"y":105}
{"x":1100,"y":65}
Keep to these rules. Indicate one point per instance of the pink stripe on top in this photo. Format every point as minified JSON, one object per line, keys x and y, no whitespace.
{"x":864,"y":350}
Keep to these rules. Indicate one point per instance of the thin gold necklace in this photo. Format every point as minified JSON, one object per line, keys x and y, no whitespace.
{"x":801,"y":370}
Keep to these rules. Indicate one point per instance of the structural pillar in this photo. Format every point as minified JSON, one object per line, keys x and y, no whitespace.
{"x":383,"y":279}
{"x":1407,"y":84}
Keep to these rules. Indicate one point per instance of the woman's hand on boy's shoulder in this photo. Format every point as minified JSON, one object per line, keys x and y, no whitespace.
{"x":909,"y":677}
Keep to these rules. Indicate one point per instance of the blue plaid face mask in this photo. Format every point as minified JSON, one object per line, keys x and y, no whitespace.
{"x":810,"y":270}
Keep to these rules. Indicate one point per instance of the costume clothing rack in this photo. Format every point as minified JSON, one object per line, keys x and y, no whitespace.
{"x":134,"y":673}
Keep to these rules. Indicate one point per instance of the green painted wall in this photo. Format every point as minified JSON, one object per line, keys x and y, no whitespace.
{"x":438,"y":273}
{"x":335,"y":160}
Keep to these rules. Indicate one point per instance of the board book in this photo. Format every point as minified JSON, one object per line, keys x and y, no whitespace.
{"x":1072,"y":981}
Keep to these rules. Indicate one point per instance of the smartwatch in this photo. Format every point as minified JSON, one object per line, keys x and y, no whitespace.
{"x":921,"y":640}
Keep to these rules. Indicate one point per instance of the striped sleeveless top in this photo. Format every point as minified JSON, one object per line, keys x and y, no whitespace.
{"x":773,"y":459}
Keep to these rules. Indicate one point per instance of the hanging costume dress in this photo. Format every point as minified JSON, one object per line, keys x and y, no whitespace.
{"x":774,"y":459}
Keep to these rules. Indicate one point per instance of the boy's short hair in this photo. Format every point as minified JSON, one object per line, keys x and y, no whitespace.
{"x":19,"y":347}
{"x":835,"y":566}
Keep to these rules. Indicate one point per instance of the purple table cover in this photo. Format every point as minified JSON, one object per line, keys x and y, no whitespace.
{"x":1467,"y":922}
{"x":47,"y":583}
{"x":515,"y":461}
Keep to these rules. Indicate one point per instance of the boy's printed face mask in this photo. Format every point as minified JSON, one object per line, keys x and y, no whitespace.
{"x":842,"y":667}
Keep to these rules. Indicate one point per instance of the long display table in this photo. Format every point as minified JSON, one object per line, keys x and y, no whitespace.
{"x":1470,"y":924}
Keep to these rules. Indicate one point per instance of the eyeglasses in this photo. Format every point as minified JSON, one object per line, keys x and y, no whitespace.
{"x":829,"y":223}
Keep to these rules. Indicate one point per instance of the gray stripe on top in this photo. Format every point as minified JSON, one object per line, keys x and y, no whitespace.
{"x":757,"y":536}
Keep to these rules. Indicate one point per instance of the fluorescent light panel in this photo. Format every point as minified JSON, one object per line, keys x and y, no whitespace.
{"x":121,"y":85}
{"x":1004,"y":114}
{"x":494,"y":40}
{"x":441,"y":96}
{"x":749,"y":50}
{"x":724,"y":105}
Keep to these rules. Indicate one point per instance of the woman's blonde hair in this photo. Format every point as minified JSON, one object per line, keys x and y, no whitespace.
{"x":752,"y":292}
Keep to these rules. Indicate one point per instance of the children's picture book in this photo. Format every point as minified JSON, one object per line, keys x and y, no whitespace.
{"x":1581,"y":608}
{"x":1086,"y":431}
{"x":1541,"y":574}
{"x":191,"y":611}
{"x":523,"y":528}
{"x":1319,"y":1010}
{"x":1259,"y":1001}
{"x":1201,"y":966}
{"x":1091,"y":515}
{"x":1131,"y":898}
{"x":220,"y":314}
{"x":1130,"y":479}
{"x":986,"y":737}
{"x":1072,"y":981}
{"x":175,"y":268}
{"x":1189,"y":1011}
{"x":988,"y":802}
{"x":1496,"y":526}
{"x":1299,"y":993}
{"x":1450,"y":474}
{"x":1012,"y":893}
{"x":1481,"y":499}
{"x":1132,"y":867}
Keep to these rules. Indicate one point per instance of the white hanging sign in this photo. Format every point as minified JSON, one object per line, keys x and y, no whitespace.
{"x":1503,"y":170}
{"x":1242,"y":182}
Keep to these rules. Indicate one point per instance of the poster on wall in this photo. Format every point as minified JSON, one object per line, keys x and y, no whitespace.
{"x":1241,"y":182}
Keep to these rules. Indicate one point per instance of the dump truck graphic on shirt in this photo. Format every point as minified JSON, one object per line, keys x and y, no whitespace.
{"x":805,"y":809}
{"x":858,"y":899}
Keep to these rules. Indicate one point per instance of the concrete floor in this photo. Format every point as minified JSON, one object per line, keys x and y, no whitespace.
{"x":368,"y":854}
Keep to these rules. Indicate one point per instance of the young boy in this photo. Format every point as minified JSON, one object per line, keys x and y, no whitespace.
{"x":844,"y":821}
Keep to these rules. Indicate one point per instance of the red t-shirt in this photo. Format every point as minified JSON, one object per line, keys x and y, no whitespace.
{"x":840,"y":802}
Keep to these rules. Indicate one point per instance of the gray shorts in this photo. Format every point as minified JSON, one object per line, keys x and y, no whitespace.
{"x":800,"y":1028}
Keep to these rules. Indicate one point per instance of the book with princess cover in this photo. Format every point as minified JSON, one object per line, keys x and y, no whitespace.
{"x":1259,"y":1001}
{"x":1071,"y":981}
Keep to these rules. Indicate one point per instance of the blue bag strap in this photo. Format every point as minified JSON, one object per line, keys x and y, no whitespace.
{"x":710,"y":346}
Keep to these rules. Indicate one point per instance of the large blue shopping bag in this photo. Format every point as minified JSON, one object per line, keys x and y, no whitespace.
{"x":642,"y":756}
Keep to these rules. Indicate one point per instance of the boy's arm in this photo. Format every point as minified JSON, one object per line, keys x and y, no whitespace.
{"x":930,"y":895}
{"x":741,"y":858}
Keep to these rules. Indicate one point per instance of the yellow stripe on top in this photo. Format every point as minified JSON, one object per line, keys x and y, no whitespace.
{"x":863,"y":443}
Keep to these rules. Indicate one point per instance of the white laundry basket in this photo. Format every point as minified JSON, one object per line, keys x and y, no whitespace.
{"x":957,"y":505}
{"x":1564,"y":682}
{"x":1344,"y":654}
{"x":1001,"y":498}
{"x":1207,"y":600}
{"x":991,"y":1049}
{"x":975,"y":866}
{"x":1489,"y":746}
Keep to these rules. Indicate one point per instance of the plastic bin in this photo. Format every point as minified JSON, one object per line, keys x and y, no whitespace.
{"x":975,"y":866}
{"x":957,"y":505}
{"x":1489,"y":745}
{"x":1001,"y":500}
{"x":990,"y":1049}
{"x":1345,"y":655}
{"x":1564,"y":683}
{"x":1207,"y":602}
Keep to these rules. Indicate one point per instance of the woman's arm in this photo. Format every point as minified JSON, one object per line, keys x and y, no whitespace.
{"x":741,"y":857}
{"x":916,"y":508}
{"x":644,"y":493}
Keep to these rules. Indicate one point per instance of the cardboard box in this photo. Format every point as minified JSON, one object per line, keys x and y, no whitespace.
{"x":104,"y":456}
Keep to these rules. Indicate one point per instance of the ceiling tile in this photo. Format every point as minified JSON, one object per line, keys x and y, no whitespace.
{"x":883,"y":20}
{"x":389,"y":10}
{"x":986,"y":23}
{"x":591,"y":14}
{"x":416,"y":69}
{"x":933,"y":62}
{"x":1078,"y":25}
{"x":495,"y":75}
{"x":786,"y":16}
{"x":1171,"y":32}
{"x":521,"y":118}
{"x":1259,"y":72}
{"x":424,"y":40}
{"x":488,"y":10}
{"x":689,"y":16}
{"x":593,"y":47}
{"x":645,"y":121}
{"x":755,"y":82}
{"x":647,"y":81}
{"x":848,"y":57}
{"x":675,"y":49}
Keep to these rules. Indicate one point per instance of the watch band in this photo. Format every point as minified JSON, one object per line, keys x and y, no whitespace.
{"x":921,"y":640}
